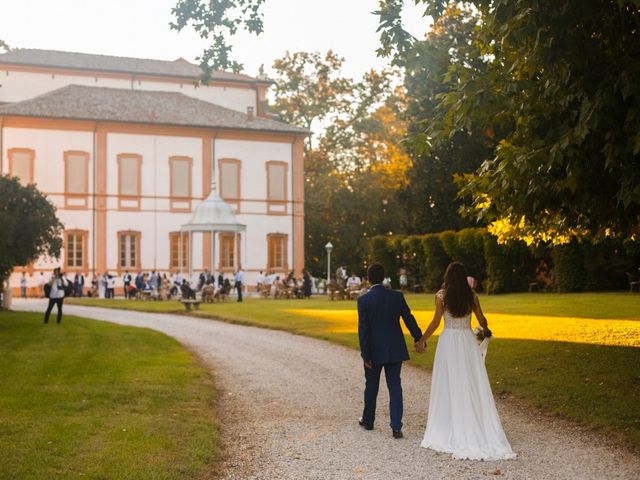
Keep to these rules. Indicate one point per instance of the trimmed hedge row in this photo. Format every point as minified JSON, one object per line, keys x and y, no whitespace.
{"x":500,"y":268}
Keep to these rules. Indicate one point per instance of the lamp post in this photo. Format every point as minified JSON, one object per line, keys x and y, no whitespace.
{"x":329,"y":247}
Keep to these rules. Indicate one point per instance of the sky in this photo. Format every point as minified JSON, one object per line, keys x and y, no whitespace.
{"x":140,"y":28}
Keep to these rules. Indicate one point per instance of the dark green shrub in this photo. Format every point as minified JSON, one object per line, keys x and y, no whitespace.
{"x":413,"y":259}
{"x":387,"y":251}
{"x":467,"y":247}
{"x":510,"y":267}
{"x":435,"y":261}
{"x":570,"y":274}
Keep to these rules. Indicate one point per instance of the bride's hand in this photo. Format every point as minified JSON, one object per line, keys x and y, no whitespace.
{"x":419,"y":347}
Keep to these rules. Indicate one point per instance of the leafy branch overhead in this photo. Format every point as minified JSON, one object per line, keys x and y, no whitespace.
{"x":217,"y":21}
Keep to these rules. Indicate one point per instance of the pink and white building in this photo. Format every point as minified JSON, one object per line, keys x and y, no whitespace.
{"x":126,"y":149}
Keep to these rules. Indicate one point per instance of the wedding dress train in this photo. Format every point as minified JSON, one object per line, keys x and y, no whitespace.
{"x":462,"y":418}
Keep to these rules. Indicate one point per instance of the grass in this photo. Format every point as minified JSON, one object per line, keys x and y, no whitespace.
{"x":577,"y":355}
{"x":92,"y":399}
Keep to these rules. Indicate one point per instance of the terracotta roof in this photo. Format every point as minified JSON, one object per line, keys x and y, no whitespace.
{"x":107,"y":63}
{"x":139,"y":106}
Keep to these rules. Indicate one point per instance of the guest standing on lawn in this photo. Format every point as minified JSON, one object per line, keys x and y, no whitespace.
{"x":239,"y":282}
{"x":57,"y":285}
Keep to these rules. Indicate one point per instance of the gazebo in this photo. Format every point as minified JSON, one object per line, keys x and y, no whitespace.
{"x":213,"y":215}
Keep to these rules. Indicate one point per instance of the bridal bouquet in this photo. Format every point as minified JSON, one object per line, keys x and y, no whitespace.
{"x":483,"y":340}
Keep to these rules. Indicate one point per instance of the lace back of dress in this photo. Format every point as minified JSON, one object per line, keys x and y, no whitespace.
{"x":458,"y":323}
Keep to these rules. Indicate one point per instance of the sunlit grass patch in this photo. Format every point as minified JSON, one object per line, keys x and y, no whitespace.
{"x":624,"y":333}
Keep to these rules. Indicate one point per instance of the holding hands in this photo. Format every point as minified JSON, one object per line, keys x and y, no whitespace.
{"x":420,"y":346}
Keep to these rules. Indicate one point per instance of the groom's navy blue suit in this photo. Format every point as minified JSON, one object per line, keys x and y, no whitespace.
{"x":382,"y":345}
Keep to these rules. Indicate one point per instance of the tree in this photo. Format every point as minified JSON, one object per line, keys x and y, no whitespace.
{"x":353,"y":166}
{"x":30,"y":227}
{"x":431,"y":191}
{"x":560,"y":93}
{"x":309,"y":89}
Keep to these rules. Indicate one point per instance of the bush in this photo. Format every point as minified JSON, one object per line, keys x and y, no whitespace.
{"x":414,"y":259}
{"x":569,"y":267}
{"x":387,"y":251}
{"x":467,"y":247}
{"x":510,"y":267}
{"x":436,"y":261}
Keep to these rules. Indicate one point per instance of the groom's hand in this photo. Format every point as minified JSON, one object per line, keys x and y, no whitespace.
{"x":420,"y":347}
{"x":368,"y":364}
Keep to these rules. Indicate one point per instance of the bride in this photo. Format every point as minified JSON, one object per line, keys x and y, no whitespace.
{"x":462,"y":418}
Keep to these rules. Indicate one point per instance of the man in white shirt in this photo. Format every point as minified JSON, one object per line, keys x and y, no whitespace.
{"x":353,"y":282}
{"x":260,"y":279}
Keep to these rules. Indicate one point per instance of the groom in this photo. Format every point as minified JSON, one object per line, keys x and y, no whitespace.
{"x":382,"y":345}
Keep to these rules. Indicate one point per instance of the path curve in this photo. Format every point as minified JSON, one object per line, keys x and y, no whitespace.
{"x":289,"y":406}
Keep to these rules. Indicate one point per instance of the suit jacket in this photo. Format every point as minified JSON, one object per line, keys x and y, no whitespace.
{"x":381,"y":337}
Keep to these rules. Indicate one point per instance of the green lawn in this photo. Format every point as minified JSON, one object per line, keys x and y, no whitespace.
{"x":574,"y":355}
{"x":95,"y":400}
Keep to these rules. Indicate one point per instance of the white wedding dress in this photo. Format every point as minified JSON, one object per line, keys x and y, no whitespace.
{"x":462,"y":418}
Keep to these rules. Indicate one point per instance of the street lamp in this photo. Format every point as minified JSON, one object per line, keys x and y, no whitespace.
{"x":329,"y":247}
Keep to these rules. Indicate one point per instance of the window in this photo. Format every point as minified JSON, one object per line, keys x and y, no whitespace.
{"x":229,"y":248}
{"x":277,"y":187}
{"x":176,"y":247}
{"x":75,"y":249}
{"x":129,"y":250}
{"x":21,"y":164}
{"x":277,"y":251}
{"x":76,"y":181}
{"x":230,"y":181}
{"x":180,"y":178}
{"x":129,"y":181}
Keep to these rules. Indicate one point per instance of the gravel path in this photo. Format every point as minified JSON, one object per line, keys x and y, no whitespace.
{"x":289,"y":406}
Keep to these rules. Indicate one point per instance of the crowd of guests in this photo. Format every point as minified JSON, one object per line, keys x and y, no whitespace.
{"x":271,"y":285}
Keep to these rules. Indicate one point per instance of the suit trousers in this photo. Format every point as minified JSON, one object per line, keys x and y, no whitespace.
{"x":372,"y":384}
{"x":52,"y":302}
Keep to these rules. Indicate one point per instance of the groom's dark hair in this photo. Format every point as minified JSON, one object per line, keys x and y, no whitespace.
{"x":375,"y":273}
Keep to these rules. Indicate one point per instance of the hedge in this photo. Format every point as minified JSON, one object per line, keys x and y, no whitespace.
{"x":502,"y":268}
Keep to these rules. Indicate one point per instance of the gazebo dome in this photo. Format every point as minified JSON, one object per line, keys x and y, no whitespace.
{"x":213,"y":215}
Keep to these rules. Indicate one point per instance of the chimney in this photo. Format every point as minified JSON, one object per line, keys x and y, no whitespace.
{"x":250,"y":113}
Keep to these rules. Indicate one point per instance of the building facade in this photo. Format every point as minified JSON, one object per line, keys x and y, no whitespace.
{"x":127,"y":148}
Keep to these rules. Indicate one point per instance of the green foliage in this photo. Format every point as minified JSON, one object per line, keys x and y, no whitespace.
{"x":351,"y":179}
{"x":413,"y":259}
{"x":94,"y":399}
{"x":510,"y":267}
{"x":387,"y":251}
{"x":555,"y":87}
{"x":215,"y":22}
{"x":30,"y":227}
{"x":569,"y":267}
{"x":431,"y":191}
{"x":436,"y":261}
{"x":466,"y":246}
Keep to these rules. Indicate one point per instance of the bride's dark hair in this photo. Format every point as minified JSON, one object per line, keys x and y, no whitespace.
{"x":458,"y":296}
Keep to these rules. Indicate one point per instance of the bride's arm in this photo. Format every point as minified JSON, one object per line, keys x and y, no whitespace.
{"x":435,"y":323}
{"x":482,"y":320}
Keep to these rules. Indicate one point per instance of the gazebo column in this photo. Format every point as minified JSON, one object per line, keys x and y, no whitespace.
{"x":190,"y":251}
{"x":213,"y":253}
